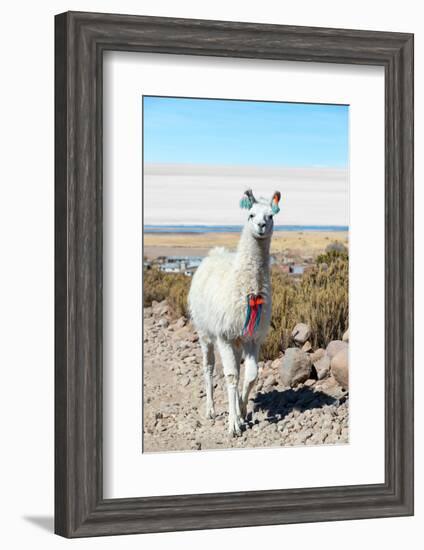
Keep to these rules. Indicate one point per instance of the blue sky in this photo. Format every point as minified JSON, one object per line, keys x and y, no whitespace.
{"x":203,"y":131}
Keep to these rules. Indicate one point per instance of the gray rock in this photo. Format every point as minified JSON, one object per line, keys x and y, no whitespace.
{"x":322,"y":366}
{"x":337,"y":429}
{"x":148,"y":322}
{"x":331,"y":438}
{"x":163,"y":323}
{"x":303,"y":436}
{"x":275,"y":364}
{"x":183,"y":344}
{"x":325,"y":434}
{"x":301,"y":333}
{"x":283,"y":425}
{"x":334,"y":347}
{"x":162,"y":308}
{"x":307,"y":346}
{"x":295,"y":367}
{"x":185,"y":381}
{"x":340,"y":368}
{"x":317,"y":354}
{"x":182,"y":321}
{"x":269,"y":381}
{"x":327,"y":424}
{"x":316,"y":439}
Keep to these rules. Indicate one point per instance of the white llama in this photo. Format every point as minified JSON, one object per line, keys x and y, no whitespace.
{"x":230,"y":306}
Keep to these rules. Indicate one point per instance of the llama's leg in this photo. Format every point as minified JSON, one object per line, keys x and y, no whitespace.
{"x":230,"y":361}
{"x":208,"y":368}
{"x":238,"y":354}
{"x":251,"y":352}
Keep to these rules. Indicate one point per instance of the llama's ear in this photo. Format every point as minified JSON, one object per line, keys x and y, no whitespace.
{"x":247,"y":200}
{"x":274,"y":202}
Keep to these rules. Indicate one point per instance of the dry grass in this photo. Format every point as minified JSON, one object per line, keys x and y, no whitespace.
{"x":172,"y":287}
{"x":320,"y":298}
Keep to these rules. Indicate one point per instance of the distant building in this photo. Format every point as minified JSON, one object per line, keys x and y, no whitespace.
{"x":190,"y":271}
{"x":170,"y":267}
{"x":181,"y":264}
{"x":297,"y":269}
{"x":294,"y":269}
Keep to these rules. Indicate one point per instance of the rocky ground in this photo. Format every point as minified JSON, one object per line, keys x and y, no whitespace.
{"x":314,"y":412}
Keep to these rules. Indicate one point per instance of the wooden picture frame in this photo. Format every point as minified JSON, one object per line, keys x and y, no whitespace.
{"x":80,"y":40}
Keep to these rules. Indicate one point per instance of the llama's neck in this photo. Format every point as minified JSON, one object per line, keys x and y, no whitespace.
{"x":252,"y":263}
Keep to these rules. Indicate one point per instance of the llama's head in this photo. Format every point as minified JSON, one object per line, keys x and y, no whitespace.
{"x":260,"y":213}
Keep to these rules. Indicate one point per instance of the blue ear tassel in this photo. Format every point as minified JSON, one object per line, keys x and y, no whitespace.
{"x":245,"y":202}
{"x":275,"y":208}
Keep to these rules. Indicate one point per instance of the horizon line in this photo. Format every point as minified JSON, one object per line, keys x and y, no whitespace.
{"x":247,"y":166}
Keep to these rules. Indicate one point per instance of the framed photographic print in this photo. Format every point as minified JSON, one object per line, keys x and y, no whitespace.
{"x":234,"y":274}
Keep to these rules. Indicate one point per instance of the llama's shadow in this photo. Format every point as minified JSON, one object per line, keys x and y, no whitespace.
{"x":278,"y":404}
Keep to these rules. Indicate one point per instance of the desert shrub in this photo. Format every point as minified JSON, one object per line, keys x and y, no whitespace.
{"x":177,"y":298}
{"x":155,"y":286}
{"x":172,"y":287}
{"x":320,"y":298}
{"x":332,"y":255}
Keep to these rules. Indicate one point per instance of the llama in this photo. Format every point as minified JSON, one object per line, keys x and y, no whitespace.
{"x":230,"y":306}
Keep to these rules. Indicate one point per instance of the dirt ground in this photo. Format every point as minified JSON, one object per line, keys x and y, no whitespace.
{"x":313,"y":413}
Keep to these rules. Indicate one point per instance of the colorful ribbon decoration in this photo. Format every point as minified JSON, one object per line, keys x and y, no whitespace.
{"x":253,"y":314}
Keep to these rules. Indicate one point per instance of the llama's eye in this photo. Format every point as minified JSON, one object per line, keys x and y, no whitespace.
{"x":251,"y":216}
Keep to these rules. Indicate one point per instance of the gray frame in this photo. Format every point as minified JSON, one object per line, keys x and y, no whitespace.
{"x":80,"y":40}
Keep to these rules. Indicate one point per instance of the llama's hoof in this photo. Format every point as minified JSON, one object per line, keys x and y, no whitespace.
{"x":210,"y":413}
{"x":234,"y":432}
{"x":240,"y":420}
{"x":234,"y":426}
